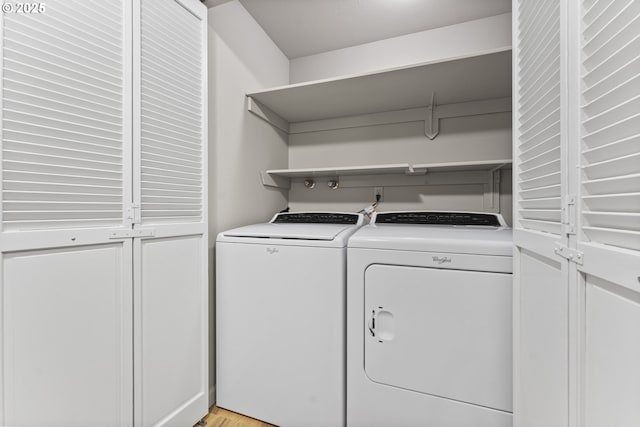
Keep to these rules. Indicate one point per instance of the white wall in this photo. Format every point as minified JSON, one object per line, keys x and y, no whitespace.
{"x":242,"y":58}
{"x":447,"y":42}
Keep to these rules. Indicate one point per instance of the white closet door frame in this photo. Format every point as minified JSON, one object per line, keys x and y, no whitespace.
{"x":154,"y":239}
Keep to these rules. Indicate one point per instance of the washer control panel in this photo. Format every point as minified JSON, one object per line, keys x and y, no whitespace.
{"x":317,"y":218}
{"x":443,"y":218}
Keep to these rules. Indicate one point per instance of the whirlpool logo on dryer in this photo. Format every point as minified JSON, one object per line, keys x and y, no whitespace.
{"x":441,"y":260}
{"x":272,"y":251}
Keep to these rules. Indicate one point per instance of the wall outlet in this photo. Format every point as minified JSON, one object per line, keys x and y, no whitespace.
{"x":378,"y":191}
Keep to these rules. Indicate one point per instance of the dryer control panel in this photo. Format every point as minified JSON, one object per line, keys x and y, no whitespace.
{"x":440,"y":218}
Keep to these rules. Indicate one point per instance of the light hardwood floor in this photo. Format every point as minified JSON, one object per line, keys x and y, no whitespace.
{"x":219,"y":417}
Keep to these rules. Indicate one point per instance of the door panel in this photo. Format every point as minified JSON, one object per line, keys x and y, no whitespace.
{"x":612,"y":382}
{"x":170,"y":195}
{"x":171,"y":354}
{"x":440,"y":332}
{"x":542,"y":333}
{"x":67,"y":337}
{"x":541,"y":181}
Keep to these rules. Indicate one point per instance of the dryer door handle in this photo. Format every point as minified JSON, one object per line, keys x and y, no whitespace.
{"x":371,"y":323}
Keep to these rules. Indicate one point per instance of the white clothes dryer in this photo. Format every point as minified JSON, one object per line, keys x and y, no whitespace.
{"x":280,"y":319}
{"x":429,"y":321}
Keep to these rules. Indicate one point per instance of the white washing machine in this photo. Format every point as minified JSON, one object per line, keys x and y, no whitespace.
{"x":429,"y":332}
{"x":280,"y":319}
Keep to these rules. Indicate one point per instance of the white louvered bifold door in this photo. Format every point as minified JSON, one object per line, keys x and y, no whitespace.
{"x":170,"y":268}
{"x":540,"y":276}
{"x":65,"y":285}
{"x":609,"y":209}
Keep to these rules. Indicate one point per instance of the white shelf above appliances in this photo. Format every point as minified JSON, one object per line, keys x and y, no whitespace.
{"x":281,"y":178}
{"x":467,"y":80}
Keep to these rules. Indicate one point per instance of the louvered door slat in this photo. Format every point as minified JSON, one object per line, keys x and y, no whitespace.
{"x":543,"y":135}
{"x":156,"y":150}
{"x":543,"y":158}
{"x":546,"y":100}
{"x":540,"y":43}
{"x":184,"y":67}
{"x":532,"y":16}
{"x":533,"y":151}
{"x":624,"y":55}
{"x":611,"y":116}
{"x":615,"y":16}
{"x":593,"y":10}
{"x":545,"y":57}
{"x":534,"y":82}
{"x":99,"y":5}
{"x":612,"y":150}
{"x":61,"y":35}
{"x":610,"y":178}
{"x":176,"y":123}
{"x":538,"y":140}
{"x":171,"y":116}
{"x":63,"y":127}
{"x":156,"y":45}
{"x":33,"y":38}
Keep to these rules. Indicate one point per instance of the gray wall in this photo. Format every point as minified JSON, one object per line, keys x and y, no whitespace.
{"x":483,"y":137}
{"x":242,"y":58}
{"x":447,"y":42}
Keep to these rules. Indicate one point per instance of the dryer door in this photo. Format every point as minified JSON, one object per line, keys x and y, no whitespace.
{"x":441,"y":332}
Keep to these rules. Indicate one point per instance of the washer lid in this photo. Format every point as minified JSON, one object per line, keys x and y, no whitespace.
{"x":314,"y":228}
{"x":435,"y":238}
{"x":321,"y":232}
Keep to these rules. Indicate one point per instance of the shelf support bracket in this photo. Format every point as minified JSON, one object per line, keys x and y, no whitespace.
{"x":432,"y":123}
{"x":267,"y":115}
{"x":493,"y":180}
{"x":416,"y":171}
{"x":275,"y":181}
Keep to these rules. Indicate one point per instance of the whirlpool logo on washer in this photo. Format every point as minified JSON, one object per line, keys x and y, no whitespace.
{"x":272,"y":251}
{"x":441,"y":260}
